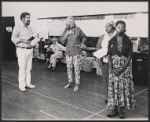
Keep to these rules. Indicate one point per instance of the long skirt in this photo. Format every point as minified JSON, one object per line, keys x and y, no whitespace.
{"x":121,"y":87}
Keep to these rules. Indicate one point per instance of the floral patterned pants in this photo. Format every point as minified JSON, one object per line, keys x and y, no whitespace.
{"x":76,"y":62}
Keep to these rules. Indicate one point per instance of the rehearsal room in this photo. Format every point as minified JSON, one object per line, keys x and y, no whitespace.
{"x":74,"y":60}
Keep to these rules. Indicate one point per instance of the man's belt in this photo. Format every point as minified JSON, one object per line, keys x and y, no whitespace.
{"x":24,"y":47}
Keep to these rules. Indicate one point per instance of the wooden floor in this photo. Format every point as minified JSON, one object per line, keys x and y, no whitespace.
{"x":50,"y":101}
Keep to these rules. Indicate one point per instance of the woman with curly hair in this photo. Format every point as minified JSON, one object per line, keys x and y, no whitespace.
{"x":74,"y":38}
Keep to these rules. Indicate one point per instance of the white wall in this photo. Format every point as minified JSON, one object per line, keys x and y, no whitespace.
{"x":53,"y":9}
{"x":137,"y":26}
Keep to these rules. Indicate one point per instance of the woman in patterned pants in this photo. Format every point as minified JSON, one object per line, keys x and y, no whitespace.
{"x":74,"y":39}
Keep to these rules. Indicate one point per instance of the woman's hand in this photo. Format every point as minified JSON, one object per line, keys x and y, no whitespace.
{"x":69,"y":33}
{"x":83,"y":46}
{"x":117,"y":71}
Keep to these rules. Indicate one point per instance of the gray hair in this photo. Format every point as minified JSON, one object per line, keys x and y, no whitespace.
{"x":67,"y":22}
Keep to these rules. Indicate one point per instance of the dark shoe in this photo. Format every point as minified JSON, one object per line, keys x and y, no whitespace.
{"x":106,"y":101}
{"x":53,"y":69}
{"x":113,"y":113}
{"x":48,"y":68}
{"x":122,"y":116}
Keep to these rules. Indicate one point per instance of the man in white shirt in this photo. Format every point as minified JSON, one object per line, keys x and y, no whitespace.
{"x":21,"y":34}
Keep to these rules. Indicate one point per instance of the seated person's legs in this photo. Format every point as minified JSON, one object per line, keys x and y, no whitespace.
{"x":53,"y":60}
{"x":48,"y":55}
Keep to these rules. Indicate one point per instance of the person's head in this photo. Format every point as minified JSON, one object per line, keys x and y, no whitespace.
{"x":70,"y":22}
{"x":110,"y":27}
{"x":54,"y":40}
{"x":120,"y":27}
{"x":25,"y":18}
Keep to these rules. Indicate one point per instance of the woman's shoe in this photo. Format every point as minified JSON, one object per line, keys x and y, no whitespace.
{"x":53,"y":69}
{"x":67,"y":86}
{"x":113,"y":113}
{"x":122,"y":116}
{"x":49,"y":68}
{"x":76,"y":88}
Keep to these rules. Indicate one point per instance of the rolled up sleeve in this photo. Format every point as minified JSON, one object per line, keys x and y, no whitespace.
{"x":15,"y":35}
{"x":62,"y":39}
{"x":83,"y":36}
{"x":62,"y":47}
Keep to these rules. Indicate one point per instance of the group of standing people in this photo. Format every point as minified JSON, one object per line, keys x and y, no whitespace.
{"x":116,"y":64}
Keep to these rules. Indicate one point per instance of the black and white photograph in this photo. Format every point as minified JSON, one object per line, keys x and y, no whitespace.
{"x":72,"y":60}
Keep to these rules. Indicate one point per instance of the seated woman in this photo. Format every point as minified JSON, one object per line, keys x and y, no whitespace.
{"x":57,"y":50}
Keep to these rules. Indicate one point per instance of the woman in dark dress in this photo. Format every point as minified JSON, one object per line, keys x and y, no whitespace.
{"x":120,"y":86}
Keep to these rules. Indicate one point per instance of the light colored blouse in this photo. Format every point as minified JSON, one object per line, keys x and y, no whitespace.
{"x":57,"y":47}
{"x":103,"y":43}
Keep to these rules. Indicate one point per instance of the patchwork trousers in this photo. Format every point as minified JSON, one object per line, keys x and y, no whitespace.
{"x":76,"y":62}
